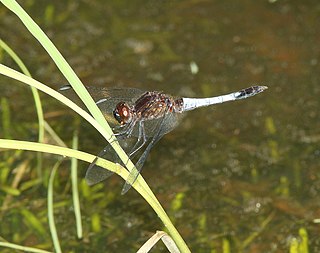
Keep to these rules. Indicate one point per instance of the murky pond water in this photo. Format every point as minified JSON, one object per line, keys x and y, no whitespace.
{"x":243,"y":175}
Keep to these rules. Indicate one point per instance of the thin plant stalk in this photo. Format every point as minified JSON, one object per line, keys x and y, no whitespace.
{"x":24,"y":248}
{"x":52,"y":226}
{"x":75,"y":192}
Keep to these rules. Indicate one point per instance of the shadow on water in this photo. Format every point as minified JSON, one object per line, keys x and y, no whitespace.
{"x":242,"y":175}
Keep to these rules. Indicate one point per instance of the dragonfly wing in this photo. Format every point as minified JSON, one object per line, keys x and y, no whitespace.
{"x":106,"y":98}
{"x":159,"y":130}
{"x":130,"y":180}
{"x":134,"y":173}
{"x":170,"y":122}
{"x":96,"y":174}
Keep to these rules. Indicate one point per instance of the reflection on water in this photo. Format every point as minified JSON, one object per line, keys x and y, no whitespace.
{"x":243,"y":174}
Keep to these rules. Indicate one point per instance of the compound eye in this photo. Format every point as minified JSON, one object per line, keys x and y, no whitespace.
{"x":122,"y":113}
{"x":116,"y":115}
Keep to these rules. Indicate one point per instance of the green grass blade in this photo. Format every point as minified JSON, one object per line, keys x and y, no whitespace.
{"x":19,"y":247}
{"x":75,"y":189}
{"x":62,"y":151}
{"x":15,"y":57}
{"x":52,"y":226}
{"x":5,"y":118}
{"x":54,"y":135}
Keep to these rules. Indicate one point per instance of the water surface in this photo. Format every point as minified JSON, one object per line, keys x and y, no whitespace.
{"x":243,"y":174}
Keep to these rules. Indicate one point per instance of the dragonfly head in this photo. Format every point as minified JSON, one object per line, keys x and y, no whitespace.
{"x":122,"y":113}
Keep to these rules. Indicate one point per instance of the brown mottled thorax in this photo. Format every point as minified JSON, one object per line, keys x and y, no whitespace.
{"x":153,"y":105}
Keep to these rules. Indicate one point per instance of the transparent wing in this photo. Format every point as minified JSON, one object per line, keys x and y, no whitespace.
{"x":170,"y":122}
{"x":160,"y":130}
{"x":96,"y":174}
{"x":106,"y":98}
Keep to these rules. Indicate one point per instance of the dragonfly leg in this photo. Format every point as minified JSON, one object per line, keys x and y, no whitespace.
{"x":135,"y":172}
{"x":118,"y":128}
{"x":127,"y":129}
{"x":130,"y":128}
{"x":142,"y":136}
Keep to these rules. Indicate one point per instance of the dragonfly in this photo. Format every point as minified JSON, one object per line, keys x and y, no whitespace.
{"x":145,"y":117}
